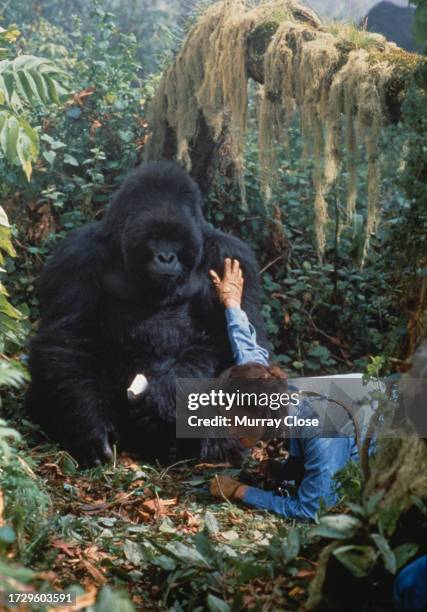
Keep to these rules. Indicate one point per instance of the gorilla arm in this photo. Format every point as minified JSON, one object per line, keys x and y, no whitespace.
{"x":157,"y":405}
{"x":66,"y":395}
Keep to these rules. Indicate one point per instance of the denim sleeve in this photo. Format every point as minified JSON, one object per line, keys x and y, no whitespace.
{"x":322,"y":458}
{"x":242,"y":336}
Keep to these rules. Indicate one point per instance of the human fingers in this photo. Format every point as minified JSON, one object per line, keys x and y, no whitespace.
{"x":227,"y":266}
{"x":235,"y":267}
{"x":215,"y":277}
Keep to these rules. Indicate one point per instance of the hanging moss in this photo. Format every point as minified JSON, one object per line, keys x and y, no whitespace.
{"x":338,"y":77}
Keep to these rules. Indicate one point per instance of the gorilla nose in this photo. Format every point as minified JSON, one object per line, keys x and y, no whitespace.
{"x":168,"y":259}
{"x":166,"y":263}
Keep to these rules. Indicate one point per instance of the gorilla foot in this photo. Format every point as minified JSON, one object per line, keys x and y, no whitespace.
{"x":94,"y":447}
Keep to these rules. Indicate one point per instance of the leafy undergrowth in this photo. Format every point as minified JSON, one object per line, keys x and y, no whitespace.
{"x":144,"y":534}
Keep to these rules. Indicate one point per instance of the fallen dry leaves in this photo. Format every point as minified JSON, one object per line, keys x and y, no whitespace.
{"x":81,"y":560}
{"x":126,"y":499}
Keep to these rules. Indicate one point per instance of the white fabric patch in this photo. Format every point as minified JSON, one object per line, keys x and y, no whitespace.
{"x":137,"y":387}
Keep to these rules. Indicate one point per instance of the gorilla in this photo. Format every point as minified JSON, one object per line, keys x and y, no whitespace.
{"x":131,"y":294}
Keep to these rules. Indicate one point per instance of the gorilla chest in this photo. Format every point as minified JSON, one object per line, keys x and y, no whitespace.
{"x":142,"y":338}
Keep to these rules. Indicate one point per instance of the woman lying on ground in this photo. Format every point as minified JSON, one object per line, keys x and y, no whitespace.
{"x":312,"y":461}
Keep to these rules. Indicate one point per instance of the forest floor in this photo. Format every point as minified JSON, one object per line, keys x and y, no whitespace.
{"x":156,"y":534}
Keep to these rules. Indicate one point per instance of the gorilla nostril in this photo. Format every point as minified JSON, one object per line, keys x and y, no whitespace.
{"x":166,"y":258}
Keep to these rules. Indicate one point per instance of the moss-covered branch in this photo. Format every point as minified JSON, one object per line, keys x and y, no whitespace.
{"x":346,"y":83}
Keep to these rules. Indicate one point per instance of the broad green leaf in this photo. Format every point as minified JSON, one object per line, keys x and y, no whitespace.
{"x":112,"y":601}
{"x":204,"y":546}
{"x":291,"y":546}
{"x":211,"y":523}
{"x":7,"y":308}
{"x":133,"y":552}
{"x":215,"y":604}
{"x":188,"y":554}
{"x":386,"y":552}
{"x":359,"y":560}
{"x":8,"y":432}
{"x":419,"y":504}
{"x":52,"y":88}
{"x":27,"y":147}
{"x":41,"y":87}
{"x":373,"y":501}
{"x":9,"y":138}
{"x":12,"y":374}
{"x":54,"y":144}
{"x":6,"y":84}
{"x":5,"y":242}
{"x":404,"y":552}
{"x":3,"y":218}
{"x":69,"y":159}
{"x":49,"y":156}
{"x":28,"y":81}
{"x":166,"y":563}
{"x":339,"y":526}
{"x":30,"y":87}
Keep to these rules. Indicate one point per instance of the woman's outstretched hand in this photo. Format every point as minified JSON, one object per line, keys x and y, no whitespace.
{"x":229,"y":288}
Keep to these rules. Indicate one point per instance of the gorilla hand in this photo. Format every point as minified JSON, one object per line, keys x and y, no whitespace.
{"x":94,"y":447}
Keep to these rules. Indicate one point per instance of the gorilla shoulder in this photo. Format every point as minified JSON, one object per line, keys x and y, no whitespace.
{"x":219,"y":245}
{"x":77,"y":262}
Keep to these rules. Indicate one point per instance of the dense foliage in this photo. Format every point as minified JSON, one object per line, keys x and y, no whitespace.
{"x":420,"y":24}
{"x":25,"y":82}
{"x":302,"y":292}
{"x":322,"y":316}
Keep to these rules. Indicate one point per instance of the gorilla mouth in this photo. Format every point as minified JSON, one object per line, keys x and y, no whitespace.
{"x":165,"y":276}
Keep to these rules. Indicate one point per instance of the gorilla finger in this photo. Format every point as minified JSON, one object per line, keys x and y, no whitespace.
{"x":92,"y":456}
{"x":107,"y":451}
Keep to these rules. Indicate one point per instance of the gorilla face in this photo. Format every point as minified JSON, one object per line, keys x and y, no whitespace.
{"x":155,"y":220}
{"x":161,"y":247}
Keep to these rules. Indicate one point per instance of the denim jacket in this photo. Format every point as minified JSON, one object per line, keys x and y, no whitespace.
{"x":242,"y":336}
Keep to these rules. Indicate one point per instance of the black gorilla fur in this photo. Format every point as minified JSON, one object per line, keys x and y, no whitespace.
{"x":131,"y":294}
